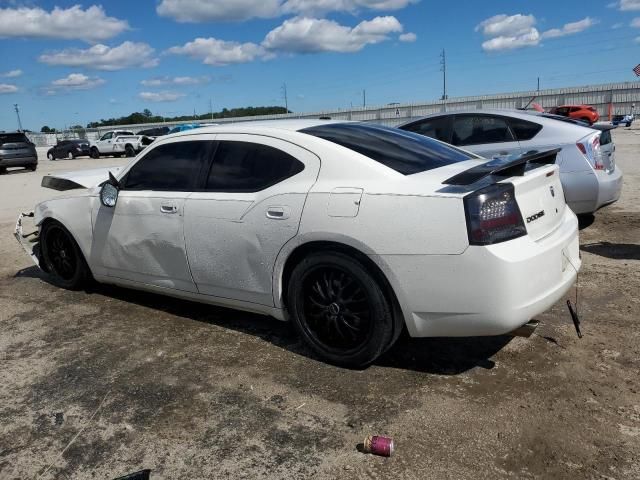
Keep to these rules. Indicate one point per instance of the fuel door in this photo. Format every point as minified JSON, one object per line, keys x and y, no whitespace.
{"x":345,"y":202}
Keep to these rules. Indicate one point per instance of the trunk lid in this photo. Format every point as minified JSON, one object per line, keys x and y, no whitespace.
{"x":541,"y":200}
{"x":536,"y":188}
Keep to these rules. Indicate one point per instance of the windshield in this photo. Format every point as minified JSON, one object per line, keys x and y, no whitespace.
{"x":404,"y":152}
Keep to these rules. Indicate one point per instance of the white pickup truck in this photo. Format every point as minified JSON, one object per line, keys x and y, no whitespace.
{"x":118,"y":143}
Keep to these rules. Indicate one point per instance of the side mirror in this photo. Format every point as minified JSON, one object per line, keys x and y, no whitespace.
{"x":109,"y":191}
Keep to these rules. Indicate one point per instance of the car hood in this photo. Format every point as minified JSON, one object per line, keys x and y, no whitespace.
{"x":82,"y":179}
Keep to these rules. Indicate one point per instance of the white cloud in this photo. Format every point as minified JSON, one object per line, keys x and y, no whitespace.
{"x":160,"y":96}
{"x":628,"y":5}
{"x":77,"y":81}
{"x":7,"y":88}
{"x":570,"y":28}
{"x":212,"y":51}
{"x":309,"y":35}
{"x":218,"y":10}
{"x":529,"y":39}
{"x":161,"y":81}
{"x":102,"y":57}
{"x":11,"y":74}
{"x":237,"y":10}
{"x":508,"y":32}
{"x":408,"y":37}
{"x":90,"y":25}
{"x":635,"y":23}
{"x":507,"y":25}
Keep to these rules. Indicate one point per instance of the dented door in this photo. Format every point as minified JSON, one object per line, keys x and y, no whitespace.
{"x":141,"y":239}
{"x":233,"y":235}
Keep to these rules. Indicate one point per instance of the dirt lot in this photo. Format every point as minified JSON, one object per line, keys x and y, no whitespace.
{"x":104,"y":383}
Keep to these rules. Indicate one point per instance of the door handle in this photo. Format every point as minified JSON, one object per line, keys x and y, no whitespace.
{"x":168,"y":208}
{"x":278,"y":213}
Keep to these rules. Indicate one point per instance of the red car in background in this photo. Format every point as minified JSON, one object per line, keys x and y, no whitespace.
{"x":586,"y":113}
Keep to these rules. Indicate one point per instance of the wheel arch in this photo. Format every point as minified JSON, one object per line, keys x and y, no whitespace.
{"x":374,"y":265}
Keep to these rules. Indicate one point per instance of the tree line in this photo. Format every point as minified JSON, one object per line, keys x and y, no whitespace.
{"x":147,"y":117}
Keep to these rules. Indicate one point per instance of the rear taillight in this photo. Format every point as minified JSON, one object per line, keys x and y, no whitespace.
{"x":493,"y":215}
{"x":590,"y":148}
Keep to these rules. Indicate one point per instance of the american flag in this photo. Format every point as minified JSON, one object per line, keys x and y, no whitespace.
{"x":637,"y":71}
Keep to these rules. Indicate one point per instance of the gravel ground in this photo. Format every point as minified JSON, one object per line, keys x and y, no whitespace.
{"x":103,"y":383}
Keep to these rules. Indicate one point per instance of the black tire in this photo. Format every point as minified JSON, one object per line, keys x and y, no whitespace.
{"x":51,"y":157}
{"x":94,"y":152}
{"x":70,"y":156}
{"x":339,"y":309}
{"x":129,"y":151}
{"x":33,"y":167}
{"x":3,"y":170}
{"x":62,"y":257}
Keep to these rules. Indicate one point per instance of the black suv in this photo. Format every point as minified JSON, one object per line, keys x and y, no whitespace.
{"x":16,"y":150}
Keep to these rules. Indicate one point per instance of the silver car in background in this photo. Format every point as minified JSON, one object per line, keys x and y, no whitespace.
{"x":588,"y":171}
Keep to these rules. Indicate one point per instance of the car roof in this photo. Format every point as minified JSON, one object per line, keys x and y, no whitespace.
{"x":288,"y":125}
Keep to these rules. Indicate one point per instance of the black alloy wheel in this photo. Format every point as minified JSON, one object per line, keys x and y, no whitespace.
{"x":62,"y":256}
{"x":339,"y":309}
{"x":129,"y":151}
{"x":336,"y":308}
{"x":94,"y":152}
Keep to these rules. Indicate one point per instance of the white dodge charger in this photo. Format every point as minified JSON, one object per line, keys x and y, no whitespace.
{"x":352,"y":231}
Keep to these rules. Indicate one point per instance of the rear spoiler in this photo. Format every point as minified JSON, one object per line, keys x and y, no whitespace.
{"x":503,"y":168}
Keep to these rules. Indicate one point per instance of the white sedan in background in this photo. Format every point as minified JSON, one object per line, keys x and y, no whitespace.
{"x":352,"y":231}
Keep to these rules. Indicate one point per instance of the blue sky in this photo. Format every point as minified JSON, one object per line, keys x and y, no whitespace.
{"x":69,"y":63}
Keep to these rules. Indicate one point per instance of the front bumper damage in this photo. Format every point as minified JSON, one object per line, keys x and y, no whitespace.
{"x":30,"y":242}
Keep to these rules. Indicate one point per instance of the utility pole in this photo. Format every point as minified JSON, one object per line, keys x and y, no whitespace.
{"x":364,"y":98}
{"x":284,"y":94}
{"x":538,"y":84}
{"x":443,"y":69}
{"x":15,"y":106}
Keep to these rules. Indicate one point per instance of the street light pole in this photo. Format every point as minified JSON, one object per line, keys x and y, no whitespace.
{"x":15,"y":106}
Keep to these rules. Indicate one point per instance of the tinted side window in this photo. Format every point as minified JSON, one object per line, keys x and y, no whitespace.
{"x":438,"y":128}
{"x":249,"y":167}
{"x":107,"y":136}
{"x":605,"y":137}
{"x":524,"y":130}
{"x":404,"y":152}
{"x":479,"y":129}
{"x":173,"y":167}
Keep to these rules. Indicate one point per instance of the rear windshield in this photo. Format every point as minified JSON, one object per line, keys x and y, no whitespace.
{"x":404,"y":152}
{"x":13,"y":138}
{"x":605,"y":137}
